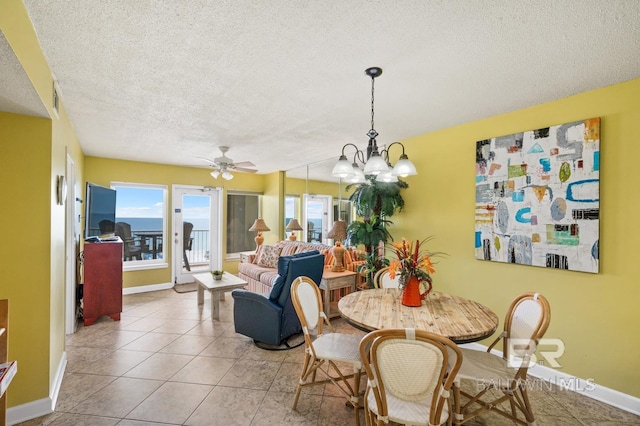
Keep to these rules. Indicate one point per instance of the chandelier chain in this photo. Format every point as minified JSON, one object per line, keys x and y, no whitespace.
{"x":373,"y":80}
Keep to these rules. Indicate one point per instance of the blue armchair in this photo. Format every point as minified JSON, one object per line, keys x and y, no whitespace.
{"x":272,"y":320}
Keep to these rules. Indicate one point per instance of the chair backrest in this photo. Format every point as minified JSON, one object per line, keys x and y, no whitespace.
{"x":309,"y":264}
{"x":187,"y":227}
{"x":123,"y":230}
{"x":526,"y":322}
{"x":307,"y":302}
{"x":411,"y":365}
{"x":382,"y":279}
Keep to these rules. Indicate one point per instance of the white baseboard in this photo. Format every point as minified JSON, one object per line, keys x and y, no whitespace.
{"x":41,"y":407}
{"x":146,"y":288}
{"x":586,"y":387}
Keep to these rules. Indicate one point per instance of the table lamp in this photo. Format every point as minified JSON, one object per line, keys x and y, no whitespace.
{"x":338,"y":232}
{"x":293,"y":226}
{"x":259,"y":226}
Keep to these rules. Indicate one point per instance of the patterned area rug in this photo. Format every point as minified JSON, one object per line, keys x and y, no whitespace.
{"x":185,"y":288}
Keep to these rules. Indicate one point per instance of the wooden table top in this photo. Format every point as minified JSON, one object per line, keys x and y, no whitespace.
{"x":461,"y":320}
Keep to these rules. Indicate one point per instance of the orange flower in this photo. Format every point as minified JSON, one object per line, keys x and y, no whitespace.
{"x":411,"y":261}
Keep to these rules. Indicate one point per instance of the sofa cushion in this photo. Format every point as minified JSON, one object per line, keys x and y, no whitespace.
{"x":253,"y":271}
{"x":269,"y":256}
{"x":288,"y":248}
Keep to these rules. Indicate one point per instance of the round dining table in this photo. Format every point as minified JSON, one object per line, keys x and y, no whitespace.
{"x":461,"y":320}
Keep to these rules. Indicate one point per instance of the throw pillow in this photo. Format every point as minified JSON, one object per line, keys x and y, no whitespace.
{"x":269,"y":256}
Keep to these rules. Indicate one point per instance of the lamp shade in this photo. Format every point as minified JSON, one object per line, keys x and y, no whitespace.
{"x":293,"y":225}
{"x":259,"y":226}
{"x":338,"y":230}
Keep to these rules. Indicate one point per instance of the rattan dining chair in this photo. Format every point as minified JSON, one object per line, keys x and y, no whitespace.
{"x":526,"y":322}
{"x":382,"y":279}
{"x":325,"y":350}
{"x":410,"y":375}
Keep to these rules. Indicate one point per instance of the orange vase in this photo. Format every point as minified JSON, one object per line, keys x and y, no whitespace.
{"x":411,"y":293}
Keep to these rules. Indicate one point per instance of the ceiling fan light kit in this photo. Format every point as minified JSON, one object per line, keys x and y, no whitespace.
{"x":376,"y":163}
{"x":224,"y":165}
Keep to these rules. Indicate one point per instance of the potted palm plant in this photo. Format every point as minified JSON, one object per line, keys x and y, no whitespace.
{"x":375,"y":202}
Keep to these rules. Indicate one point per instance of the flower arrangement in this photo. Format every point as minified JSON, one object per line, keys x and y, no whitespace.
{"x":413,"y":261}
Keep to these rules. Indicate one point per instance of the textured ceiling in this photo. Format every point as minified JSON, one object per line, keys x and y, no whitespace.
{"x":17,"y":95}
{"x":282,"y":82}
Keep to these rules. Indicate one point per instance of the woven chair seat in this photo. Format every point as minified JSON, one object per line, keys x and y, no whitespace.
{"x":338,"y":347}
{"x":484,"y":367}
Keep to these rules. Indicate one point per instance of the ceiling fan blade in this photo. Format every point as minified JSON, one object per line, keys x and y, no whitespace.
{"x":208,"y":161}
{"x":244,"y":164}
{"x":245,"y":170}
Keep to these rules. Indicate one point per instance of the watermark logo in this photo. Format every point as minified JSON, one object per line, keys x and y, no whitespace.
{"x":522,"y":352}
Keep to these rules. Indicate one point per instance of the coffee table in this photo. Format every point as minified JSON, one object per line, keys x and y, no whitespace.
{"x":216,"y":288}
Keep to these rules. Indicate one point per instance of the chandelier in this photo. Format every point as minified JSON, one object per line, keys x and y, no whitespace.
{"x":376,"y":163}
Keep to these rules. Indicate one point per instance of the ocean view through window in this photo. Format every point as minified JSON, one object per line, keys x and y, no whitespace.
{"x":141,"y":222}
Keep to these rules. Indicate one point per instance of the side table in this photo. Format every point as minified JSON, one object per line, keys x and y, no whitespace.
{"x":247,"y":256}
{"x":335,"y":281}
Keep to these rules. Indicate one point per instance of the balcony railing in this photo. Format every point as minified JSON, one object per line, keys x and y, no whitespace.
{"x":152,"y":245}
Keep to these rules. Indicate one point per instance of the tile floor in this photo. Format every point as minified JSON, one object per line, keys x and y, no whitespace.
{"x":167,"y":363}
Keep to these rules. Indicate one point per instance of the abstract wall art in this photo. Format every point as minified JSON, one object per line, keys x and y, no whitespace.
{"x":538,"y":197}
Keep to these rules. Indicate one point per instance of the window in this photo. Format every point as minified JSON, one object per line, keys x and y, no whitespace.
{"x":242,"y":211}
{"x":141,"y":223}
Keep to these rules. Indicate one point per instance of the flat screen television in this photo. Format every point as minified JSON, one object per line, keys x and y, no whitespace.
{"x":100,"y":210}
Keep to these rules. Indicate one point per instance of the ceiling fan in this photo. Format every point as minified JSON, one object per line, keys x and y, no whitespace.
{"x":224,"y":165}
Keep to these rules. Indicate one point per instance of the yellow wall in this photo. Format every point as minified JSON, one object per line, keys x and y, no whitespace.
{"x":25,"y":264}
{"x":104,"y":171}
{"x":596,"y":315}
{"x":34,"y":154}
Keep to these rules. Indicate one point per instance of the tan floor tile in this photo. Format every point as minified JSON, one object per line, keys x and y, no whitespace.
{"x":204,"y":370}
{"x":76,"y":388}
{"x":227,"y":407}
{"x":227,"y":347}
{"x":188,"y":345}
{"x":255,"y":353}
{"x":143,"y":324}
{"x":209,"y":328}
{"x":178,"y":326}
{"x":287,"y":380}
{"x":83,"y":420}
{"x":159,"y":366}
{"x":116,"y":339}
{"x":127,"y":422}
{"x":334,"y":412}
{"x":115,"y":364}
{"x":251,"y":374}
{"x":79,"y":356}
{"x":151,"y":342}
{"x":276,"y":410}
{"x":172,"y":403}
{"x":118,"y":398}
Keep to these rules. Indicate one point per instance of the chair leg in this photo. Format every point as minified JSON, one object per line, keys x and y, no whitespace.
{"x":186,"y":261}
{"x":307,"y":358}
